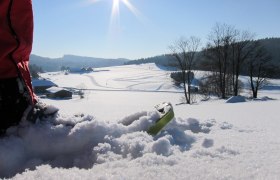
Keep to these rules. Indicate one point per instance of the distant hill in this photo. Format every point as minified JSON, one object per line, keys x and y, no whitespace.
{"x":72,"y":61}
{"x":54,"y":64}
{"x":271,"y":44}
{"x":160,"y":60}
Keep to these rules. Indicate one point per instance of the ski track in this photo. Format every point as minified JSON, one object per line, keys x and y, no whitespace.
{"x":136,"y":80}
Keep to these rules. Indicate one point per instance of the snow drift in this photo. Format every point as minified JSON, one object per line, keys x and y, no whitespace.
{"x":236,"y":99}
{"x":82,"y":141}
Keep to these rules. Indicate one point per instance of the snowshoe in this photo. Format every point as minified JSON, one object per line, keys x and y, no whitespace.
{"x":40,"y":111}
{"x":166,"y":113}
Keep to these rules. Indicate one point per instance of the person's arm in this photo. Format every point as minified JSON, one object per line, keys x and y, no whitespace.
{"x":16,"y":37}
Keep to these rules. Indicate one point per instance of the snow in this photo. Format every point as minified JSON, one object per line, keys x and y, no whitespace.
{"x":96,"y":137}
{"x":236,"y":99}
{"x":54,"y":89}
{"x":42,"y":82}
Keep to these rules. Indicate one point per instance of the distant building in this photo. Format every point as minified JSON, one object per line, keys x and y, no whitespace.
{"x":57,"y":92}
{"x":82,"y":70}
{"x":40,"y":86}
{"x":89,"y":69}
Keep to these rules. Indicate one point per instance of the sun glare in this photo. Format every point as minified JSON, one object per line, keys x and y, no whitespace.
{"x":115,"y":26}
{"x":116,"y":7}
{"x":127,"y":4}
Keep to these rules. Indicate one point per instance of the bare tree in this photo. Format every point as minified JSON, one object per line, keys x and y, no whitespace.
{"x":219,"y":53}
{"x":242,"y":50}
{"x":258,"y":68}
{"x":183,"y":52}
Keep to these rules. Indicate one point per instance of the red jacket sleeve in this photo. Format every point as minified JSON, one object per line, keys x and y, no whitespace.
{"x":16,"y":37}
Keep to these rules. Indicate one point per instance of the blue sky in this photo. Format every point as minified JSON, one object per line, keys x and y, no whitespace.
{"x":89,"y":28}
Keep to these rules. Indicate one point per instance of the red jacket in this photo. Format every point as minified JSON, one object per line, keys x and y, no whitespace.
{"x":16,"y":37}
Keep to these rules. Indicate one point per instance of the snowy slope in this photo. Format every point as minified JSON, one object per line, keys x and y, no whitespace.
{"x":207,"y":140}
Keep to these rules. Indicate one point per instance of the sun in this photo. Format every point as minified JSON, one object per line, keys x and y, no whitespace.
{"x":116,"y":7}
{"x":115,"y":25}
{"x":116,"y":1}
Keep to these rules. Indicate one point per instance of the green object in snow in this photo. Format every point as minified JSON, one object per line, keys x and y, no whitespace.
{"x":167,"y":114}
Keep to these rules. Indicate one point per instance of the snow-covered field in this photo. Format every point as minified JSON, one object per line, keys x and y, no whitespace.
{"x":206,"y":140}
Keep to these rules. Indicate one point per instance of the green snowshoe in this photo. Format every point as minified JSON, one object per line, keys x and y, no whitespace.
{"x":166,"y":115}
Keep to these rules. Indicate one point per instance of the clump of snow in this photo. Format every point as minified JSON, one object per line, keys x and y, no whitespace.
{"x":129,"y":119}
{"x":236,"y":99}
{"x":224,"y":150}
{"x":82,"y":141}
{"x":192,"y":124}
{"x":207,"y":143}
{"x":265,"y":98}
{"x":226,"y":125}
{"x":50,"y":109}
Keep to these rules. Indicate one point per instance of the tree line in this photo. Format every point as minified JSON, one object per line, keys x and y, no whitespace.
{"x":35,"y":70}
{"x":228,"y":53}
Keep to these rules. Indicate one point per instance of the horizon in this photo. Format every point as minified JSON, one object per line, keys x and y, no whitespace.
{"x":63,"y":55}
{"x":135,"y":29}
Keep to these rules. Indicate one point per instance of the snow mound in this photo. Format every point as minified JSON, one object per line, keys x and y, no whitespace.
{"x":236,"y":99}
{"x":265,"y":98}
{"x":82,"y":141}
{"x":226,"y":125}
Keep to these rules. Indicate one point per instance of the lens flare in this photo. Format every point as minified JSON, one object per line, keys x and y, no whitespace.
{"x":131,"y":8}
{"x":115,"y":25}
